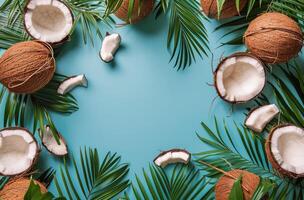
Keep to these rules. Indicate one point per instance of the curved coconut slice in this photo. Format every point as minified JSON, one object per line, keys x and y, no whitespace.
{"x":240,"y":78}
{"x":109,"y":47}
{"x":18,"y":151}
{"x":49,"y":142}
{"x":258,"y":118}
{"x":172,"y":156}
{"x":72,"y":82}
{"x":284,"y":149}
{"x":48,"y":20}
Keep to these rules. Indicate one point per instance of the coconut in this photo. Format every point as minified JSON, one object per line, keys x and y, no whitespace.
{"x":229,"y":8}
{"x":17,"y":188}
{"x":250,"y":183}
{"x":110,"y":45}
{"x":171,"y":157}
{"x":141,"y":9}
{"x":72,"y":82}
{"x":274,"y":38}
{"x":50,"y":21}
{"x":18,"y":151}
{"x":27,"y":66}
{"x":284,"y":148}
{"x":239,"y":78}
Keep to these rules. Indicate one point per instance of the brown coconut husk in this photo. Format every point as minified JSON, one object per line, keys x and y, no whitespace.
{"x":139,"y":11}
{"x":27,"y":66}
{"x":16,"y":189}
{"x":274,"y":38}
{"x":229,"y":8}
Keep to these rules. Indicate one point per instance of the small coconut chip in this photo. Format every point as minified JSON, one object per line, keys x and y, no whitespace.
{"x":109,"y":47}
{"x":172,"y":156}
{"x":240,"y":78}
{"x":49,"y":142}
{"x":284,"y":148}
{"x":48,"y":20}
{"x":18,"y":151}
{"x":72,"y":82}
{"x":258,"y":118}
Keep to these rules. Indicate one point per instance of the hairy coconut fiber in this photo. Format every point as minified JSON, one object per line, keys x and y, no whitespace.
{"x":274,"y":38}
{"x":229,"y":8}
{"x":139,"y":11}
{"x":27,"y":66}
{"x":250,"y":182}
{"x":17,"y":188}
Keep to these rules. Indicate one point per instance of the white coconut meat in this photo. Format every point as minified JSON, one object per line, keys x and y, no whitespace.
{"x":171,"y":157}
{"x":239,"y":78}
{"x":109,"y":46}
{"x":48,"y":20}
{"x":287,"y":144}
{"x":50,"y":143}
{"x":72,"y":82}
{"x":260,"y":117}
{"x":18,"y":151}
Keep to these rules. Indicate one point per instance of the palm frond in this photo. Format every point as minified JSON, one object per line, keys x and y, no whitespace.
{"x":3,"y":181}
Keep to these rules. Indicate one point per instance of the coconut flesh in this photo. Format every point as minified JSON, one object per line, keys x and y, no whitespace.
{"x":48,"y":20}
{"x":72,"y":82}
{"x":260,"y":117}
{"x":18,"y":151}
{"x":109,"y":47}
{"x":240,"y":78}
{"x":172,"y":156}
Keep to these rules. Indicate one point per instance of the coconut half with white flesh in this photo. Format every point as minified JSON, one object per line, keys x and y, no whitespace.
{"x":18,"y":151}
{"x":284,"y":148}
{"x":239,"y":78}
{"x":258,"y":118}
{"x":172,"y":156}
{"x":50,"y":143}
{"x":50,"y":21}
{"x":110,"y":45}
{"x":72,"y":82}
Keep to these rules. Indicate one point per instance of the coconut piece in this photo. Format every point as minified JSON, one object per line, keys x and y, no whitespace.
{"x":109,"y":46}
{"x":284,"y":149}
{"x":274,"y":38}
{"x":50,"y":21}
{"x":239,"y":78}
{"x":172,"y":156}
{"x":16,"y":189}
{"x":72,"y":82}
{"x":18,"y":151}
{"x":49,"y":142}
{"x":259,"y":117}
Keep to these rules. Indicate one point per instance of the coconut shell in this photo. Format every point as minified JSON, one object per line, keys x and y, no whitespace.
{"x":274,"y":38}
{"x":229,"y":8}
{"x":17,"y":188}
{"x":26,"y":67}
{"x":224,"y":186}
{"x":139,"y":11}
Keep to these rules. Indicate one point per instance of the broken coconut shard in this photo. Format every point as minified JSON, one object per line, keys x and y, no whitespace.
{"x":18,"y":151}
{"x":72,"y":82}
{"x":172,"y":156}
{"x":49,"y":142}
{"x":50,"y":21}
{"x":258,"y":118}
{"x":284,"y":149}
{"x":239,"y":78}
{"x":109,"y":47}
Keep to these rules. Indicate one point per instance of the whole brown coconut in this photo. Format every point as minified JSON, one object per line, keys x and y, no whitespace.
{"x":27,"y":66}
{"x":140,"y":11}
{"x":16,"y":189}
{"x":229,"y":8}
{"x":274,"y":38}
{"x":250,"y":183}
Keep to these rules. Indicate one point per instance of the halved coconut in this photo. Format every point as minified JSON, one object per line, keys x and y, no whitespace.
{"x":172,"y":156}
{"x":49,"y":142}
{"x":240,"y":78}
{"x":284,"y":148}
{"x":259,"y":117}
{"x":72,"y":82}
{"x":50,"y":21}
{"x":110,"y":45}
{"x":18,"y":151}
